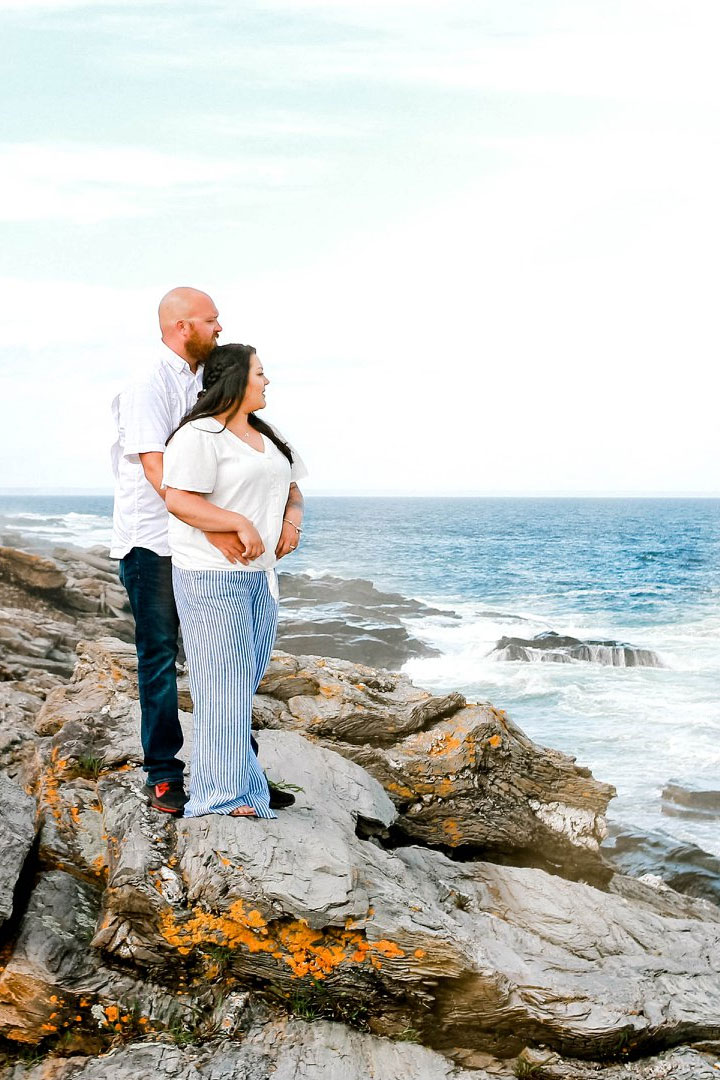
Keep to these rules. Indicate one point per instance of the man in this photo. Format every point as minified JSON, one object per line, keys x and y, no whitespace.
{"x":146,"y":413}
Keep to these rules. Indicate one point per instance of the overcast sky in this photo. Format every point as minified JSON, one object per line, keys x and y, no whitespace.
{"x":475,"y":243}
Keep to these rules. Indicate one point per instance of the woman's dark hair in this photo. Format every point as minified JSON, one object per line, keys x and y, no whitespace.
{"x":225,"y":381}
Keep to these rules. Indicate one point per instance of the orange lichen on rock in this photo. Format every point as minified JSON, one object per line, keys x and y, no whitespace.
{"x":494,"y":741}
{"x":48,"y":788}
{"x":100,"y":866}
{"x":305,"y":951}
{"x":452,"y":831}
{"x":400,"y":789}
{"x":445,"y":744}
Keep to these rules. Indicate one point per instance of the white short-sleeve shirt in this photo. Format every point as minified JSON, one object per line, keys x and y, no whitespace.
{"x":146,"y":413}
{"x":207,"y":458}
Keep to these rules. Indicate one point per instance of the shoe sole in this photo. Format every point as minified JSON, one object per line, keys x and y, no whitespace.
{"x":164,"y":809}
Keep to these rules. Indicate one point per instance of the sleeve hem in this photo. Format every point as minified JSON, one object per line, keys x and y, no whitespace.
{"x":194,"y":490}
{"x":144,"y":448}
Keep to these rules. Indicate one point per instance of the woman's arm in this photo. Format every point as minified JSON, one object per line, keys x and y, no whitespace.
{"x":292,"y":520}
{"x":195,"y":510}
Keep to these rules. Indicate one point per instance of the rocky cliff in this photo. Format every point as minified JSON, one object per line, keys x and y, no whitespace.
{"x":435,"y":905}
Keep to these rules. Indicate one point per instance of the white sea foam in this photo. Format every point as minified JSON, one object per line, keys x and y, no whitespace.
{"x":638,"y":728}
{"x":82,"y":530}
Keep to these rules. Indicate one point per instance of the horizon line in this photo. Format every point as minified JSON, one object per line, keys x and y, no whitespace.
{"x":104,"y":492}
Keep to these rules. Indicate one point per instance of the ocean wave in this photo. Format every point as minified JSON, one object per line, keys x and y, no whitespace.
{"x":80,"y":530}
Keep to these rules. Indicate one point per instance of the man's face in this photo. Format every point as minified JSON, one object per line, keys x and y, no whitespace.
{"x":202,"y":328}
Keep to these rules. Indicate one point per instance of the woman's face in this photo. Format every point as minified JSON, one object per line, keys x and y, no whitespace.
{"x":254,"y":398}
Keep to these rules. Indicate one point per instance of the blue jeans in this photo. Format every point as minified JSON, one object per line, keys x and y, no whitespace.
{"x":147,"y":578}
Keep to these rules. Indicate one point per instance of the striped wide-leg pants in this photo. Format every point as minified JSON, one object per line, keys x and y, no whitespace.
{"x":228,"y":620}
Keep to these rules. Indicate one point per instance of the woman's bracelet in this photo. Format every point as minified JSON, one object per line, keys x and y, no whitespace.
{"x":297,"y":528}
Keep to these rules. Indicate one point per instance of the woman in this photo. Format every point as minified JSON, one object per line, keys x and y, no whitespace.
{"x":226,"y":470}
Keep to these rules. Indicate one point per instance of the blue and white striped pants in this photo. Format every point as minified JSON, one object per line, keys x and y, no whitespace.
{"x":228,"y":620}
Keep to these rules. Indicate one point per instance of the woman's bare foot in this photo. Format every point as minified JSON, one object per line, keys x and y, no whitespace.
{"x":243,"y":811}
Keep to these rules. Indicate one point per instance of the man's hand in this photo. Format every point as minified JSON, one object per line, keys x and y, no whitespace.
{"x":289,"y":540}
{"x":251,"y":541}
{"x":229,"y":544}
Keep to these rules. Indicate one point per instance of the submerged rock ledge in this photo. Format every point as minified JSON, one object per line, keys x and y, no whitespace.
{"x":553,"y":648}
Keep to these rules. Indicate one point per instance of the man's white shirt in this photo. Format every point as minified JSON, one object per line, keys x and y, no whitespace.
{"x":145,"y":414}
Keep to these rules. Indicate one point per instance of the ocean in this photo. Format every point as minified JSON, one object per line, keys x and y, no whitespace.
{"x":641,"y":571}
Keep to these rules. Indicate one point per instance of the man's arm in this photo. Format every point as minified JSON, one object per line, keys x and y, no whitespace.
{"x":227,"y":543}
{"x":191,"y":507}
{"x":152,"y":463}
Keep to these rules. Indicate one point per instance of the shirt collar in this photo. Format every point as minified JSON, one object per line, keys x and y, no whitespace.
{"x":178,"y":364}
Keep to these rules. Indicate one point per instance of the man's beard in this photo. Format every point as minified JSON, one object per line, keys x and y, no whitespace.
{"x":198,"y":349}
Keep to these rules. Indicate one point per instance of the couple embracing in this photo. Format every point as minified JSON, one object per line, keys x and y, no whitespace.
{"x":206,"y":503}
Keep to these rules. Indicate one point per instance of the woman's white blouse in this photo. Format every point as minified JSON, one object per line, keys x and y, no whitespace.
{"x":206,"y":458}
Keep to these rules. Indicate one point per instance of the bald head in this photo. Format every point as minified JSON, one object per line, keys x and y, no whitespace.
{"x":189,"y":324}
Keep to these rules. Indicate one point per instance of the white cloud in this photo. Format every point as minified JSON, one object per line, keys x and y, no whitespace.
{"x":546,"y":323}
{"x":650,"y":50}
{"x":88,"y":184}
{"x":31,"y":7}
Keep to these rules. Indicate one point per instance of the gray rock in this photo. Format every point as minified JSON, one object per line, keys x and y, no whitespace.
{"x":287,"y":1051}
{"x":54,"y":984}
{"x":50,"y":956}
{"x":461,"y":775}
{"x":296,"y":1050}
{"x":350,"y":619}
{"x":17,"y":832}
{"x":473,"y":959}
{"x":336,"y":699}
{"x":607,"y":961}
{"x":683,"y":1063}
{"x":683,"y":866}
{"x":32,"y":571}
{"x":550,"y":647}
{"x":323,"y":1050}
{"x":473,"y":955}
{"x":71,"y":832}
{"x":19,"y":701}
{"x":690,"y":802}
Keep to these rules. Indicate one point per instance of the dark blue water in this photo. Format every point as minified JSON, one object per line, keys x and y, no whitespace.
{"x":639,"y":557}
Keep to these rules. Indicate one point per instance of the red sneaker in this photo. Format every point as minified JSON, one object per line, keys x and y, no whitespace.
{"x":168,"y":796}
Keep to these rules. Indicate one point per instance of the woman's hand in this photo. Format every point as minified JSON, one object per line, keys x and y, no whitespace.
{"x":250,"y":539}
{"x":289,"y":540}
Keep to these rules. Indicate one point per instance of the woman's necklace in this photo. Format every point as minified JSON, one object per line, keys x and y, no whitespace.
{"x":244,"y":434}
